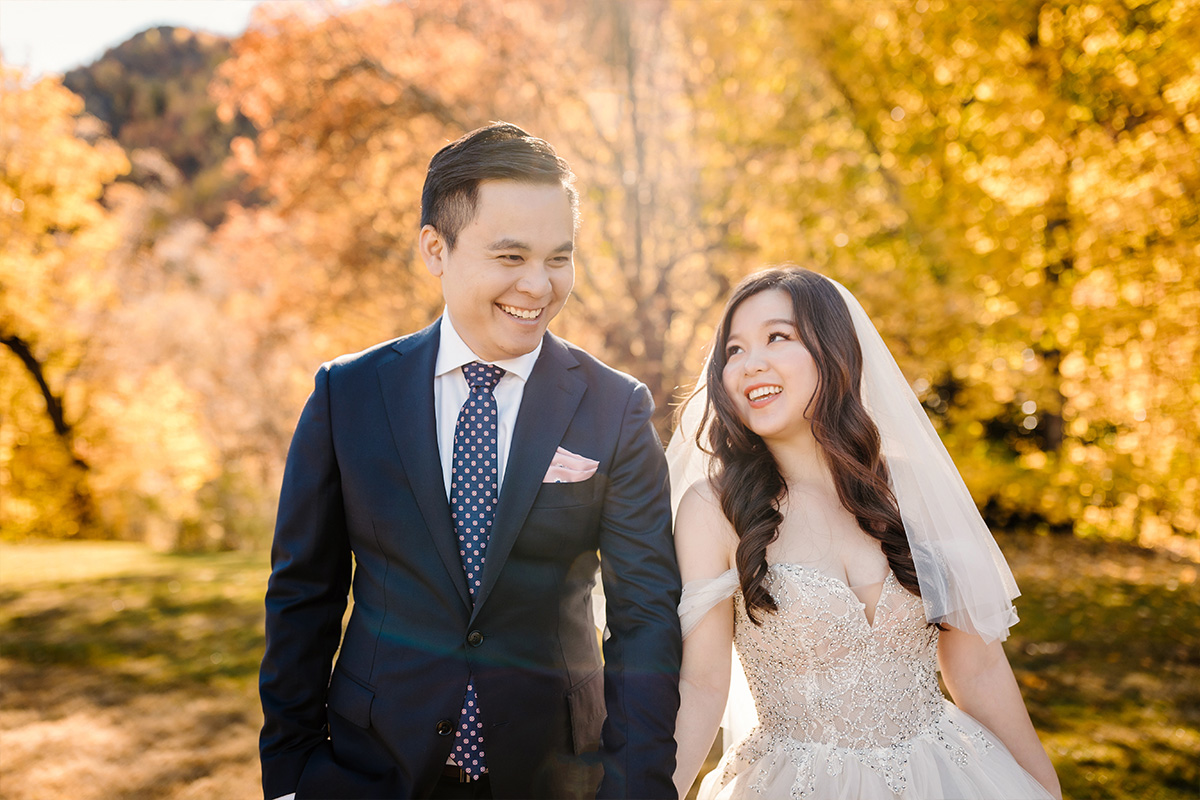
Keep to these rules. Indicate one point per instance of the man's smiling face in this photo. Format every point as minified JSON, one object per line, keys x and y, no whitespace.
{"x":511,"y":268}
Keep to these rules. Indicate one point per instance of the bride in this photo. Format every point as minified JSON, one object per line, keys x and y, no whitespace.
{"x":827,"y":535}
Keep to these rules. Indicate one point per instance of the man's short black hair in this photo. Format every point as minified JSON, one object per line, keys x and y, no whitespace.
{"x":499,"y":151}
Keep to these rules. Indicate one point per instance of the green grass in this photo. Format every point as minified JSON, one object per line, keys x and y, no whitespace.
{"x":99,"y":636}
{"x":127,"y":673}
{"x":141,"y":617}
{"x":1108,"y":656}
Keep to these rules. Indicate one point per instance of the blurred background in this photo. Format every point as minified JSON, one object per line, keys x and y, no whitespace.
{"x":194,"y":218}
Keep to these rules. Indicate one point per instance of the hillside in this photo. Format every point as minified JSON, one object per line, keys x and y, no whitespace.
{"x":152,"y":92}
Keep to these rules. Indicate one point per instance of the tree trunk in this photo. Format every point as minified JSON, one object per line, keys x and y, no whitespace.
{"x":82,"y":504}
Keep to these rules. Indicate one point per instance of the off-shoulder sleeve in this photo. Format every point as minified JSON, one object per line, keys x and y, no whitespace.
{"x":699,"y":597}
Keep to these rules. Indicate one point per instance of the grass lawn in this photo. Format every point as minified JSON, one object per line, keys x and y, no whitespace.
{"x":1108,"y":657}
{"x":130,"y":674}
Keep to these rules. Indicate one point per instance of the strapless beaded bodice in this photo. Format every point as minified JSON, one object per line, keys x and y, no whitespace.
{"x":820,"y":672}
{"x":847,"y":708}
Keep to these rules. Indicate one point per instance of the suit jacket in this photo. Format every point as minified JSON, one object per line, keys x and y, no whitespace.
{"x":363,"y":506}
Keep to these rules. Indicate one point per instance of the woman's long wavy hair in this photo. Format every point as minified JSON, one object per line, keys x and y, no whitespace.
{"x":746,"y":477}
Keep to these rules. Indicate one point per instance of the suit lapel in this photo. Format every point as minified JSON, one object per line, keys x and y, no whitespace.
{"x":547,"y":406}
{"x":407,"y":385}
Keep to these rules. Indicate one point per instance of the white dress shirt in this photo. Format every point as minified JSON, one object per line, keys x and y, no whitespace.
{"x":450,"y":392}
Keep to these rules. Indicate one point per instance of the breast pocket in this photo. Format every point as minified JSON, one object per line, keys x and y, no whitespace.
{"x":566,"y":495}
{"x":563,"y":520}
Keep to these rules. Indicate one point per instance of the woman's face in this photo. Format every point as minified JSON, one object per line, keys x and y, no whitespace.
{"x":769,"y":374}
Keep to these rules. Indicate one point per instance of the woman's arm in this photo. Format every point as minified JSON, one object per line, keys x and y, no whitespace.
{"x":981,"y":682}
{"x":704,"y":543}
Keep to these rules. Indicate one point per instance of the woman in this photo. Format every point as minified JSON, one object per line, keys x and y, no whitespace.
{"x":833,"y":541}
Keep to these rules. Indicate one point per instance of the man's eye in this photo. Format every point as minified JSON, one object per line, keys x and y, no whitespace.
{"x":511,"y":258}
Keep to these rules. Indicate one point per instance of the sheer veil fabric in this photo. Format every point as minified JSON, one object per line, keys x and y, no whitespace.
{"x":964,"y":579}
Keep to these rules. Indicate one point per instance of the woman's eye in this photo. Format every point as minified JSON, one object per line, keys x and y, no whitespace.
{"x":732,"y":351}
{"x":778,"y":337}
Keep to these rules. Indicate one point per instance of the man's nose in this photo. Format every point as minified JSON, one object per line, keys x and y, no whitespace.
{"x":535,"y":280}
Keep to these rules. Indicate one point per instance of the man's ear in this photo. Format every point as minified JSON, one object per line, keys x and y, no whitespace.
{"x":433,"y":250}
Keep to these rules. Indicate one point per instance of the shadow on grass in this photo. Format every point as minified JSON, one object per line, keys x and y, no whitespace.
{"x":184,"y":628}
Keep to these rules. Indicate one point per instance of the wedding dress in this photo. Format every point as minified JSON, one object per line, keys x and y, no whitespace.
{"x":848,"y":702}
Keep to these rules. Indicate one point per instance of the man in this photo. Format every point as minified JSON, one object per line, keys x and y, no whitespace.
{"x":471,"y":472}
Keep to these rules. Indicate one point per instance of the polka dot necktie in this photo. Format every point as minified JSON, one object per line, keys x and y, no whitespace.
{"x":474,"y":486}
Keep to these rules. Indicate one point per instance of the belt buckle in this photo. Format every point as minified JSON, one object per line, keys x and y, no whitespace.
{"x":456,"y":773}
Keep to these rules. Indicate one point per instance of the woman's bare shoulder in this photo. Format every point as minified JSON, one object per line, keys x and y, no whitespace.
{"x":700,"y":517}
{"x":703,"y":490}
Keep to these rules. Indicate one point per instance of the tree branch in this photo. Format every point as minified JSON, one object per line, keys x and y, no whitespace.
{"x":54,"y":407}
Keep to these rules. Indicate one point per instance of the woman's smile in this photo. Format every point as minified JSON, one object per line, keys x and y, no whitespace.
{"x":760,"y":395}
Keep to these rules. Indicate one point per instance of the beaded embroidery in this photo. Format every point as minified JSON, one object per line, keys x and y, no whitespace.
{"x":830,"y":687}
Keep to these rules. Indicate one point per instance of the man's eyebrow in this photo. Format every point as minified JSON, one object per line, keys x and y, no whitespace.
{"x":508,"y":244}
{"x":517,"y":244}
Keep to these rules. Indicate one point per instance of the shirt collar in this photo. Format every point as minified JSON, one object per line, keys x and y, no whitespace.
{"x":453,"y":353}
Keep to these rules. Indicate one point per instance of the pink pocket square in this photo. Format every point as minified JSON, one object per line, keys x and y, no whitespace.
{"x":567,"y":467}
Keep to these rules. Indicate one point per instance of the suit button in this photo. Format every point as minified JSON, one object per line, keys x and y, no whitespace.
{"x":474,"y":638}
{"x":445,"y":727}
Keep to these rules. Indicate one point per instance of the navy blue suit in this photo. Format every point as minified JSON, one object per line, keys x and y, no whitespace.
{"x":364,"y":487}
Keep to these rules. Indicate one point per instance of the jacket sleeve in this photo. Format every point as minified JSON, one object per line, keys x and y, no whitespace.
{"x":306,"y":598}
{"x":641,"y":585}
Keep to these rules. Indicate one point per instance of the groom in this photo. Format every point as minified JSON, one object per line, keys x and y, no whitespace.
{"x":462,"y":479}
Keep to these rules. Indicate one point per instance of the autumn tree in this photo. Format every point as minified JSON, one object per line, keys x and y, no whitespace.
{"x":54,"y":234}
{"x":1010,"y":188}
{"x":129,"y":408}
{"x":656,"y":207}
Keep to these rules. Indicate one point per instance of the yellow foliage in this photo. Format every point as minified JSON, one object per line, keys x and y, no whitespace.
{"x":1013,"y":196}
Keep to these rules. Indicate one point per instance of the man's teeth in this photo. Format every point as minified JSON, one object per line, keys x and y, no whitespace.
{"x":522,"y":313}
{"x":764,"y":391}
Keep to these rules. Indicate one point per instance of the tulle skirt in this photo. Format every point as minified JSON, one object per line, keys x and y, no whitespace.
{"x":955,"y":758}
